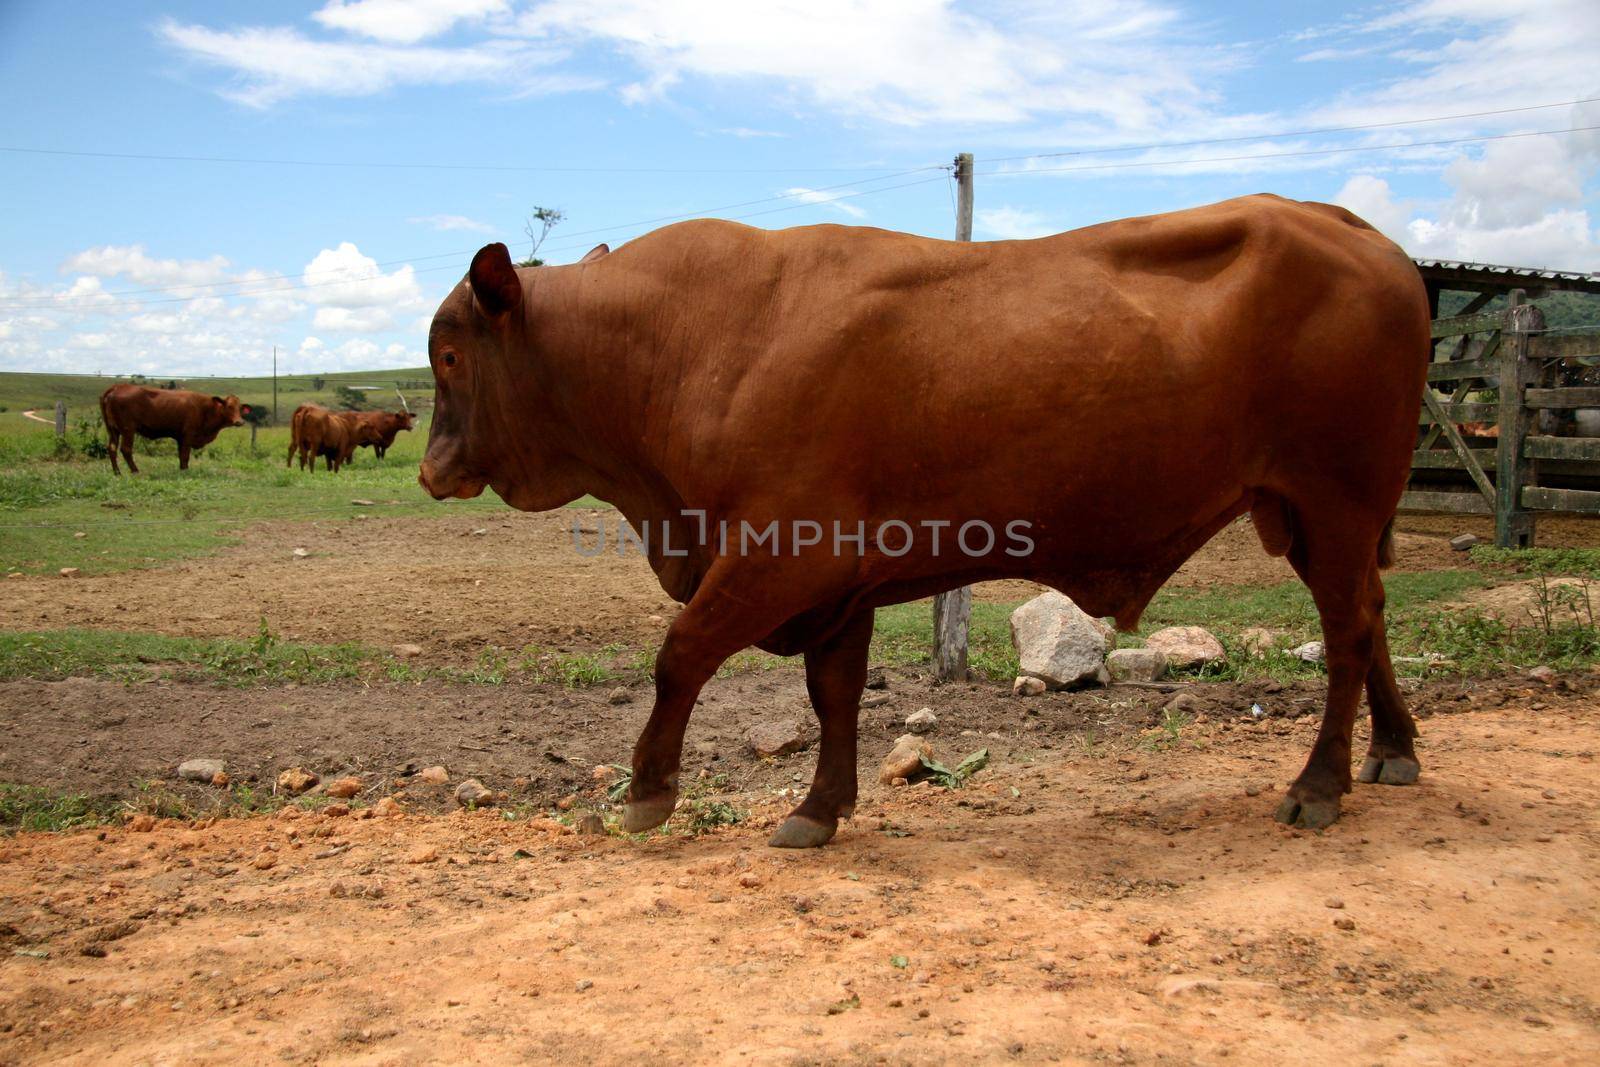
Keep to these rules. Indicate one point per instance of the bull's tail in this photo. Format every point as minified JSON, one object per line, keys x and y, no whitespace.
{"x":108,"y":422}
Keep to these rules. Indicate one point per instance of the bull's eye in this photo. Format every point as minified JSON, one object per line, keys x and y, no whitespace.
{"x":449,"y":359}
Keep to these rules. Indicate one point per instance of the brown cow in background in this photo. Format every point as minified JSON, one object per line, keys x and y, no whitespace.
{"x":377,"y":429}
{"x":191,"y":419}
{"x":315,"y":431}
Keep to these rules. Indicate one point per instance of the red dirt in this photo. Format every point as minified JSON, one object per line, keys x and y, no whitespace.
{"x":1119,"y":901}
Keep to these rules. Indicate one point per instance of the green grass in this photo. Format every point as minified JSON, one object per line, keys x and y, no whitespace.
{"x":47,"y":498}
{"x":27,"y":807}
{"x":1574,"y":562}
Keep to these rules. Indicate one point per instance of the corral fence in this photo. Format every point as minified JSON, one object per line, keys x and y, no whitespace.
{"x":1504,"y":417}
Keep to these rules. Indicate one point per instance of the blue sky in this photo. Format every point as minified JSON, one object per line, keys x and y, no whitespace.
{"x":619,"y":112}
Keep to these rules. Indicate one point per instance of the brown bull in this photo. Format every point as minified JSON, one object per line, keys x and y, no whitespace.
{"x":378,"y":429}
{"x":1123,"y":391}
{"x":191,"y":419}
{"x":315,"y":431}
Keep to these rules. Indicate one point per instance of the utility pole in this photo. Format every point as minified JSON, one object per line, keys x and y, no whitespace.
{"x":952,"y":611}
{"x":274,"y":385}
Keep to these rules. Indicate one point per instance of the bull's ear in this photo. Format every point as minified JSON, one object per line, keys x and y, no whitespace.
{"x":244,"y":409}
{"x":494,"y":280}
{"x":219,"y":400}
{"x":596,"y":252}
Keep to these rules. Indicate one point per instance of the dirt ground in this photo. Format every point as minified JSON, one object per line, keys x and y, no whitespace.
{"x":1120,"y":900}
{"x":444,"y":585}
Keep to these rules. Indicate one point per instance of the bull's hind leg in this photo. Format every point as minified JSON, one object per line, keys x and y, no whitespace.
{"x":836,"y":673}
{"x":1339,"y":566}
{"x":1391,"y":758}
{"x":127,"y":451}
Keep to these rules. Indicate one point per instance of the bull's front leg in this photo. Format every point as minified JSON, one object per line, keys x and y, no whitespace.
{"x":183,"y":456}
{"x":836,"y":674}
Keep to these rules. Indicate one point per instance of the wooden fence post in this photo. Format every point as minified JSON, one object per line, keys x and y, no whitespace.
{"x":1513,"y":525}
{"x":61,"y":418}
{"x":952,"y":611}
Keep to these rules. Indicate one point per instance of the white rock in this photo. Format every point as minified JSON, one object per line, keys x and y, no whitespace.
{"x":921,"y":722}
{"x":301,"y":553}
{"x":199,"y":770}
{"x":1136,"y":664}
{"x":1258,"y":641}
{"x":1311,"y":652}
{"x":1026,"y":686}
{"x":1186,"y":647}
{"x":1057,"y":642}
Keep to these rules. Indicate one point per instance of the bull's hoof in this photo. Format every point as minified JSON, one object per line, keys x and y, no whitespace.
{"x":798,"y":831}
{"x":1389,"y":770}
{"x":641,"y":815}
{"x":1307,"y":814}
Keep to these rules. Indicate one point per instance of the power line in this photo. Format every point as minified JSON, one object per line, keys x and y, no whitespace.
{"x":1299,"y":152}
{"x":1289,"y":133}
{"x":388,"y":165}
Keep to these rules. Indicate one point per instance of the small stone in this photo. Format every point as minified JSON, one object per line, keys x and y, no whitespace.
{"x":1136,"y":664}
{"x":750,"y":880}
{"x":584,"y":985}
{"x":568,"y":802}
{"x":603,"y":774}
{"x":1028,"y":686}
{"x":335,"y":811}
{"x":68,"y":572}
{"x":80,"y":535}
{"x":364,"y":503}
{"x":1184,"y":703}
{"x":905,"y":759}
{"x":1344,"y":922}
{"x":296,"y":780}
{"x":1334,"y":902}
{"x":472,"y":793}
{"x":265,"y":862}
{"x":407,"y":651}
{"x":199,"y":770}
{"x":301,"y":553}
{"x":1542,"y":674}
{"x":877,"y":678}
{"x":778,"y":738}
{"x":343,"y":788}
{"x":480,"y":531}
{"x":922,"y":721}
{"x":1462,"y":542}
{"x":590,"y":824}
{"x":141,"y":823}
{"x":1310,"y":652}
{"x":1258,"y":641}
{"x":423,"y":854}
{"x":1186,"y":647}
{"x":387,"y":806}
{"x":619,"y":695}
{"x":220,"y":779}
{"x":434,"y":775}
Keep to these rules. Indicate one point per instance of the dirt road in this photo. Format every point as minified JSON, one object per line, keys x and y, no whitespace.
{"x":1124,"y":899}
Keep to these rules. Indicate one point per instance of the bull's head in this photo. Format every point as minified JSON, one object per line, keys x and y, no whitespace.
{"x":232,"y":413}
{"x":492,"y":420}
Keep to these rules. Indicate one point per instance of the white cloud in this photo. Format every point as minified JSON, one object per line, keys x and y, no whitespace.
{"x":445,"y":223}
{"x":1371,"y":198}
{"x":403,"y":21}
{"x":819,"y":196}
{"x":344,"y":278}
{"x":273,"y":64}
{"x":1011,"y":223}
{"x":908,"y":62}
{"x":131,"y":262}
{"x":352,"y":320}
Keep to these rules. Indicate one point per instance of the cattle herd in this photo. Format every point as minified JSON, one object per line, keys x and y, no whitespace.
{"x":193,"y":420}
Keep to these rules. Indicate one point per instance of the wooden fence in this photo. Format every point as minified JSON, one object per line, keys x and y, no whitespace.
{"x":1500,"y":377}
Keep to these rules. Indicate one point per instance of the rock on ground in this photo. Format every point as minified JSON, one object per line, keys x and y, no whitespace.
{"x":407,"y":651}
{"x":1026,"y":686}
{"x":1311,"y":652}
{"x":296,"y":780}
{"x":590,"y":824}
{"x":199,"y":770}
{"x":1057,"y":642}
{"x":473,"y":794}
{"x":1136,"y":664}
{"x":775,"y":738}
{"x":922,"y":721}
{"x":434,"y":775}
{"x":1258,"y":641}
{"x":343,"y":788}
{"x":905,"y":759}
{"x":1186,"y":647}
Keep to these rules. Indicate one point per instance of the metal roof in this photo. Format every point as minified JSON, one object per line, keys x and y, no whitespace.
{"x":1492,"y":277}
